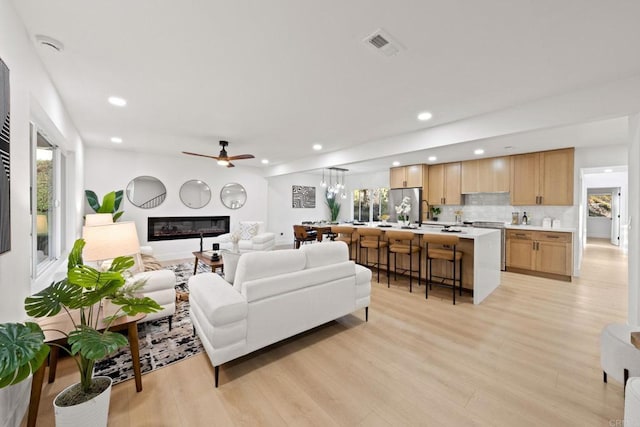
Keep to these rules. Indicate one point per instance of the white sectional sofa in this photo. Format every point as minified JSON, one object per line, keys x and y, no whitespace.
{"x":275,"y":295}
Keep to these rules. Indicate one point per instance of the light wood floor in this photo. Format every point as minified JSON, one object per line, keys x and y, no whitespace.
{"x":528,"y":355}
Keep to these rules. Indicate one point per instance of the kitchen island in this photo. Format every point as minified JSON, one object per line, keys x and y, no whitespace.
{"x":481,"y":261}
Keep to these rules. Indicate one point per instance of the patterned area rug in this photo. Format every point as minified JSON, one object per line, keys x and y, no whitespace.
{"x":159,"y":347}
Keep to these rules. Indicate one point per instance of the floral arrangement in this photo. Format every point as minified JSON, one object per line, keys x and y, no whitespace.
{"x":235,"y":237}
{"x":384,"y":217}
{"x":403,"y":209}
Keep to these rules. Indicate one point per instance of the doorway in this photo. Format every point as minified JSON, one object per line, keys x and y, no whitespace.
{"x":603,"y":214}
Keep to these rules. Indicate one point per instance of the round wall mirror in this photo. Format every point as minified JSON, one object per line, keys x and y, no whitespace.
{"x":146,"y":192}
{"x":195,"y":194}
{"x":233,"y":195}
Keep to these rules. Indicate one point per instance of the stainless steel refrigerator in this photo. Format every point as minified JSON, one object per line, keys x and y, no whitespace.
{"x":395,"y":198}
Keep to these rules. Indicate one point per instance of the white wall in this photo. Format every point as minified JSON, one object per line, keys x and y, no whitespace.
{"x":109,"y":170}
{"x":33,"y":97}
{"x":633,"y":155}
{"x":282,"y":215}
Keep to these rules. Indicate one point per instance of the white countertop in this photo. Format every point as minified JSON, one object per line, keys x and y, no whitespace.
{"x":540,"y":228}
{"x":464,"y":233}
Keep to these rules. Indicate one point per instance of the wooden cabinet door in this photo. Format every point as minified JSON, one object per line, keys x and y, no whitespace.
{"x":525,"y":179}
{"x":397,"y":177}
{"x":553,"y":257}
{"x":436,"y":185}
{"x":557,"y":177}
{"x":500,"y":174}
{"x":413,"y":174}
{"x":469,"y":176}
{"x":520,"y":253}
{"x":451,"y":189}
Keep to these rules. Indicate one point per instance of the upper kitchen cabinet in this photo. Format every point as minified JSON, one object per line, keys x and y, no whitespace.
{"x":543,"y":178}
{"x":486,"y":175}
{"x":444,"y":184}
{"x":408,"y":176}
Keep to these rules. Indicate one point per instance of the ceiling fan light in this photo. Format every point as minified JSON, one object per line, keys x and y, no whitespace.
{"x":222,"y":162}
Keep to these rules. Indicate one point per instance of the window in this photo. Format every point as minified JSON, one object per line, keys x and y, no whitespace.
{"x":369,"y":204}
{"x":47,"y":188}
{"x":600,"y":205}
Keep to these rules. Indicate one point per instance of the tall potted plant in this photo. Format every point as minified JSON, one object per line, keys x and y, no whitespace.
{"x":110,"y":203}
{"x":332,"y":203}
{"x":85,"y":290}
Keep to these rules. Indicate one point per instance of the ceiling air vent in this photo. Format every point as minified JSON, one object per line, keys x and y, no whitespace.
{"x":382,"y":42}
{"x":49,"y":42}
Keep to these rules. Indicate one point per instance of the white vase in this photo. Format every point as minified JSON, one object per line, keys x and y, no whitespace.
{"x":94,"y":412}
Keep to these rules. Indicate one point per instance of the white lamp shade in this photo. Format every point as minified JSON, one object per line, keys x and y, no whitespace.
{"x":98,"y":219}
{"x":108,"y":241}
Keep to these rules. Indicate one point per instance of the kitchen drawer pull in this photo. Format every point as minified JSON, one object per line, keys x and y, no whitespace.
{"x":521,"y":235}
{"x":549,"y":236}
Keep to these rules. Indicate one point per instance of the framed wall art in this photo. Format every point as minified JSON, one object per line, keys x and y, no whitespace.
{"x":303,"y":197}
{"x":5,"y":161}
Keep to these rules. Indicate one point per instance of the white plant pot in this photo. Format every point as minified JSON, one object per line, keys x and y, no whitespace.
{"x":94,"y":412}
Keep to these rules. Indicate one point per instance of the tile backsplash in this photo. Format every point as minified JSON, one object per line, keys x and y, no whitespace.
{"x":496,"y":207}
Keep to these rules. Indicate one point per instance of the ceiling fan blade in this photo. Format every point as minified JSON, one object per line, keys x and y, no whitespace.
{"x":241,"y":157}
{"x":231,"y":165}
{"x":201,"y":155}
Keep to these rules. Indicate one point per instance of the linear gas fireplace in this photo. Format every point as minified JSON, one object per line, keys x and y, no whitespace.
{"x":186,"y":227}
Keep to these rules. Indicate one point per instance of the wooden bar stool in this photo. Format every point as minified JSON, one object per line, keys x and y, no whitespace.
{"x":401,"y":242}
{"x":371,"y":238}
{"x":446,"y":251}
{"x":346,"y":234}
{"x":301,"y":235}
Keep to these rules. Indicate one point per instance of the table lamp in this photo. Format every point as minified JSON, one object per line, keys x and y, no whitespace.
{"x":92,"y":220}
{"x":108,"y":241}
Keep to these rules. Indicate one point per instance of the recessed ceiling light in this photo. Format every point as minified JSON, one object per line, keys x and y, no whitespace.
{"x":478,"y":151}
{"x":509,"y":147}
{"x":265,"y":161}
{"x":117,"y":101}
{"x":317,"y":147}
{"x":608,"y":170}
{"x":432,"y":158}
{"x":424,"y":116}
{"x":116,"y":140}
{"x":396,"y":163}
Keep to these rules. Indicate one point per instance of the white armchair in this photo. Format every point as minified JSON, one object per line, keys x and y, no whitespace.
{"x":160,"y":285}
{"x":253,"y":237}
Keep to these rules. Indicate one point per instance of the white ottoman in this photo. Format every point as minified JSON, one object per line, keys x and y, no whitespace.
{"x":618,"y":357}
{"x":632,"y":403}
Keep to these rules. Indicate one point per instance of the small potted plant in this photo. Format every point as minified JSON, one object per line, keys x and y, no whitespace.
{"x":86,"y":290}
{"x":435,"y":211}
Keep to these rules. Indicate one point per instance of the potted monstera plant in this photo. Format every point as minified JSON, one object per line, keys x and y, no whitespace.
{"x":110,"y":203}
{"x":84,"y":291}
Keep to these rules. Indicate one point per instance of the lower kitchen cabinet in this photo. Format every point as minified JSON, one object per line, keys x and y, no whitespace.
{"x":540,"y":253}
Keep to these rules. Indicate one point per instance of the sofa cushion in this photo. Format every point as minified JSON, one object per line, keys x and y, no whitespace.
{"x":248,"y":229}
{"x":256,"y":265}
{"x":325,"y":253}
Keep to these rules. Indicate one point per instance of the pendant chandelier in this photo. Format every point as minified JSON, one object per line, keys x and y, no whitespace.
{"x":333,"y":189}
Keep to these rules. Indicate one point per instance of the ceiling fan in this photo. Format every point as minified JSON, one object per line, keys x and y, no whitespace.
{"x":224,"y":159}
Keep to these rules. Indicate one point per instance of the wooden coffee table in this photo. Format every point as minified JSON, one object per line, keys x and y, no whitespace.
{"x":205,"y":258}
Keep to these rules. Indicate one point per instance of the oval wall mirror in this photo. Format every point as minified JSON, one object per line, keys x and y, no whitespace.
{"x":233,"y":195}
{"x":195,"y":194}
{"x":146,"y":192}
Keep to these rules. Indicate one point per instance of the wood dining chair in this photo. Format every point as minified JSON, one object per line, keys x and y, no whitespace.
{"x":302,"y":235}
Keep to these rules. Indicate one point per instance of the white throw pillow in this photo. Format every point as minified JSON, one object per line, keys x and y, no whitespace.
{"x":230,"y":261}
{"x":248,"y":230}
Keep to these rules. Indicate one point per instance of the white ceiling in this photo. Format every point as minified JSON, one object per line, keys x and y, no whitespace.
{"x":275,"y":77}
